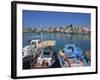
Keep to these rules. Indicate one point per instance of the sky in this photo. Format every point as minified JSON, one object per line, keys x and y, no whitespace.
{"x":32,"y":19}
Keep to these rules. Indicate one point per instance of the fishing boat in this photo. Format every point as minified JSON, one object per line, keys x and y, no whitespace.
{"x":41,"y":51}
{"x":72,"y":56}
{"x":29,"y":52}
{"x":46,"y":57}
{"x":31,"y":49}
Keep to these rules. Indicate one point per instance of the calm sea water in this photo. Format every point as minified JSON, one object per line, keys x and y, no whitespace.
{"x":83,"y":41}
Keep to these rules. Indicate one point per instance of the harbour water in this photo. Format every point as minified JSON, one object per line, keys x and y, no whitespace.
{"x":83,"y":41}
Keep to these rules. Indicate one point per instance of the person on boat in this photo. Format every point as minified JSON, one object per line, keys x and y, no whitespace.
{"x":65,"y":58}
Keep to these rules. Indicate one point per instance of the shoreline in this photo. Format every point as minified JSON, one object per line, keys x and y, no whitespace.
{"x":89,"y":34}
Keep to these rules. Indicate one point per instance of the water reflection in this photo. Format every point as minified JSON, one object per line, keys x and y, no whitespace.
{"x":61,"y":39}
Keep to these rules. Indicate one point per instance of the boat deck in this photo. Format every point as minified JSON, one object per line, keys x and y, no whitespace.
{"x":39,"y":66}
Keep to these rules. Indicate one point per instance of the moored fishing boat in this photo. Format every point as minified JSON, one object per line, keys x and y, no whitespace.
{"x":38,"y":51}
{"x":46,"y":57}
{"x":31,"y":49}
{"x":72,"y":56}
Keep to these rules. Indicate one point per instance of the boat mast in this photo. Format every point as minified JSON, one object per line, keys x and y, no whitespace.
{"x":41,"y":37}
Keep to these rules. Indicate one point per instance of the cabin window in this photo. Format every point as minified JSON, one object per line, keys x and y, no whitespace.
{"x":46,"y":54}
{"x":33,"y":43}
{"x":70,"y":47}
